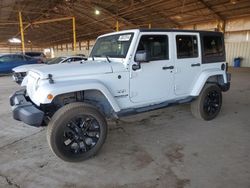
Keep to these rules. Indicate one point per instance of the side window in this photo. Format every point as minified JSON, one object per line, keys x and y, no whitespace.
{"x":5,"y":58}
{"x":213,"y":46}
{"x":68,"y":60}
{"x":18,"y":57}
{"x":156,"y":46}
{"x":77,"y":59}
{"x":187,"y":46}
{"x":27,"y":58}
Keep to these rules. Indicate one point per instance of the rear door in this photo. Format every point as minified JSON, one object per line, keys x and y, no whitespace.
{"x":187,"y":61}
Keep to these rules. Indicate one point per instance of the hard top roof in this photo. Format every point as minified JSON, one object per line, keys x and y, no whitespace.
{"x":176,"y":30}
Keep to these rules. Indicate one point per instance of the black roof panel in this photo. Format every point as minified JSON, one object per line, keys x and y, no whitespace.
{"x":177,"y":30}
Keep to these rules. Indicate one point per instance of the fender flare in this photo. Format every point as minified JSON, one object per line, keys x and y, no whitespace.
{"x":204,"y":77}
{"x":72,"y":86}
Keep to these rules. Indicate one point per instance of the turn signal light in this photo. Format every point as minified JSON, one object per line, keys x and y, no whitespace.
{"x":50,"y":96}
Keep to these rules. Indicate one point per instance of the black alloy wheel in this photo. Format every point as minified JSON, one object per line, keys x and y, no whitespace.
{"x":208,"y":104}
{"x":212,"y":103}
{"x":76,"y":132}
{"x":80,"y":135}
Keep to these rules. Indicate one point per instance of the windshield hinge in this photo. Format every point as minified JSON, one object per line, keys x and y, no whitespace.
{"x":51,"y":81}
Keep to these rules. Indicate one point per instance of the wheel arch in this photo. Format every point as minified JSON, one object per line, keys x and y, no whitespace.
{"x":91,"y":88}
{"x":91,"y":96}
{"x":216,"y":77}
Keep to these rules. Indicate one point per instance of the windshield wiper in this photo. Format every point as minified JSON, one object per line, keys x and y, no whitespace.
{"x":107,"y":57}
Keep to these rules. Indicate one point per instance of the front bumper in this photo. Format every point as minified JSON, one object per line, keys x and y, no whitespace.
{"x":25,"y":111}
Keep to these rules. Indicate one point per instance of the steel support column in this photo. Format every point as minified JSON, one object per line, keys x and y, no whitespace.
{"x":21,"y":31}
{"x":74,"y":33}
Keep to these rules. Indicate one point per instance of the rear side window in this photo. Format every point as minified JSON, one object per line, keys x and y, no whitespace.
{"x":187,"y":46}
{"x":212,"y":47}
{"x":156,"y":46}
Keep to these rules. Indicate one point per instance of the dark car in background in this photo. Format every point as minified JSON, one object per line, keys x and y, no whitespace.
{"x":10,"y":61}
{"x":37,"y":55}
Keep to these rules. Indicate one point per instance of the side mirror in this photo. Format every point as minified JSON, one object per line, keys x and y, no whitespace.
{"x":141,"y":56}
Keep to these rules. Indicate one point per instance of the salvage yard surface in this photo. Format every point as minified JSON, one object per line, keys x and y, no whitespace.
{"x":164,"y":148}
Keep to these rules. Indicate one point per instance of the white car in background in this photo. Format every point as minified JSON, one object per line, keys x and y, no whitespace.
{"x":20,"y":72}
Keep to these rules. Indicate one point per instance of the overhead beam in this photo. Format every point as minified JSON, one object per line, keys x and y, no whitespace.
{"x":44,"y":22}
{"x":51,"y":20}
{"x":10,"y":23}
{"x":150,"y":4}
{"x":127,"y":10}
{"x":217,"y":15}
{"x":39,"y":17}
{"x":93,"y":20}
{"x":112,"y":15}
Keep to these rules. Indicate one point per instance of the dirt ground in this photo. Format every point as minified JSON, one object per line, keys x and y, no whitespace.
{"x":164,"y":148}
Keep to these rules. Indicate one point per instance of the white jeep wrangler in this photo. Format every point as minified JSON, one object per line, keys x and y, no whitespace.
{"x":127,"y":72}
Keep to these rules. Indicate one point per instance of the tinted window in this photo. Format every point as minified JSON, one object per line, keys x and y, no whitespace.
{"x":213,"y":46}
{"x":69,"y":60}
{"x":17,"y":57}
{"x":187,"y":46}
{"x":156,"y":46}
{"x":33,"y":54}
{"x":77,"y":59}
{"x":28,"y":58}
{"x":6,"y":58}
{"x":56,"y":60}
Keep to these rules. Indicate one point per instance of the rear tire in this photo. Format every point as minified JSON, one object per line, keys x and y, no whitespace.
{"x":76,"y":132}
{"x":207,"y":106}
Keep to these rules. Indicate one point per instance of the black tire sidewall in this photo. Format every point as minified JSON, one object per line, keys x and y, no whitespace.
{"x":63,"y":116}
{"x":204,"y":94}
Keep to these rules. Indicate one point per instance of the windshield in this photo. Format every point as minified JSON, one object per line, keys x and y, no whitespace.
{"x":112,"y":46}
{"x":55,"y":60}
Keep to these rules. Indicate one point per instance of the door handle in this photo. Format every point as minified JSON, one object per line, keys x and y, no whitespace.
{"x":196,"y":65}
{"x":170,"y":67}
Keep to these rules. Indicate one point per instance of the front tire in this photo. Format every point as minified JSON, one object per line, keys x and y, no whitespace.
{"x":207,"y":106}
{"x":76,"y":132}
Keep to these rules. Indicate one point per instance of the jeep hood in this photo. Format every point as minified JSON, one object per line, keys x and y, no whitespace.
{"x":25,"y":68}
{"x":77,"y":69}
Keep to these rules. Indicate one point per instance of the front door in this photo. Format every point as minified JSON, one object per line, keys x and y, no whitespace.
{"x":153,"y":81}
{"x":187,"y":61}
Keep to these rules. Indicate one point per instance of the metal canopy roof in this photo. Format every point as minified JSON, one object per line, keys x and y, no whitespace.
{"x":129,"y":13}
